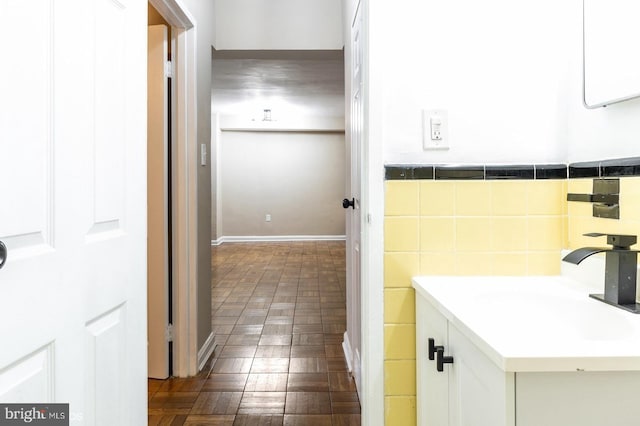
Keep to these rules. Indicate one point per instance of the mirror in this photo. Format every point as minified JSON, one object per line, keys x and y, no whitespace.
{"x":611,"y":51}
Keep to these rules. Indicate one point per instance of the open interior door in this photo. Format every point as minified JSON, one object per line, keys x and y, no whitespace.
{"x":158,"y":202}
{"x":73,"y":208}
{"x":352,"y":337}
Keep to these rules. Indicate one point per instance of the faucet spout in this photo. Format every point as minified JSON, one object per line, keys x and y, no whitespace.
{"x":581,"y":254}
{"x":620,"y":270}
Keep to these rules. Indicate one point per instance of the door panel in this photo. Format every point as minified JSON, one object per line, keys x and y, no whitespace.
{"x":29,"y":117}
{"x":73,"y":216}
{"x":354,"y":216}
{"x":105,"y":361}
{"x":30,"y":378}
{"x":27,"y":215}
{"x":109,"y":132}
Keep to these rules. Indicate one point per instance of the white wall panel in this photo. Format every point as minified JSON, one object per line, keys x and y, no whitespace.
{"x":498,"y":67}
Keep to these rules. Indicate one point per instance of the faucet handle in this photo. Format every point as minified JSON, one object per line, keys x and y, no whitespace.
{"x":622,"y":242}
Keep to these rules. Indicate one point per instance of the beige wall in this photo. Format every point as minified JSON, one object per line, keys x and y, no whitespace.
{"x":154,"y":18}
{"x":278,"y":24}
{"x":296,"y":177}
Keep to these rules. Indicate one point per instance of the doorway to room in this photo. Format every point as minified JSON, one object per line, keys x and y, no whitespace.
{"x":159,"y":218}
{"x":264,"y":225}
{"x":176,"y":312}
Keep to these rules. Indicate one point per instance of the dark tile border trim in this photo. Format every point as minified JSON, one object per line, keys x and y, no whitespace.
{"x":509,"y":172}
{"x":459,"y":173}
{"x":620,"y":167}
{"x":475,"y":172}
{"x":397,"y":173}
{"x":408,"y":172}
{"x":629,"y":166}
{"x":551,"y":171}
{"x":589,"y":169}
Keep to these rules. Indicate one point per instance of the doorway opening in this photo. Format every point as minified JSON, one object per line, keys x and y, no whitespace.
{"x":279,"y":276}
{"x":159,"y":209}
{"x":172,"y":292}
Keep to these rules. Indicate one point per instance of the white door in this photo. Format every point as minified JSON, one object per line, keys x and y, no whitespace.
{"x":73,"y":207}
{"x":354,"y":213}
{"x":158,"y":202}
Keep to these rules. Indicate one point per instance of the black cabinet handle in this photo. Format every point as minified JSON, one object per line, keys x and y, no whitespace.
{"x":346,"y":203}
{"x":442,"y":360}
{"x":433,"y":348}
{"x":3,"y":254}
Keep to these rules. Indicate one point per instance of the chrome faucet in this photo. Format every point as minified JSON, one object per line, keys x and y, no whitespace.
{"x":621,"y":264}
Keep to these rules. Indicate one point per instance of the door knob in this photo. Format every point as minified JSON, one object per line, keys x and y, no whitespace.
{"x":3,"y":254}
{"x":346,"y":203}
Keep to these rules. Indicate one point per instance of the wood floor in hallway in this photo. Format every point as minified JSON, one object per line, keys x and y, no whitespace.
{"x":278,"y":316}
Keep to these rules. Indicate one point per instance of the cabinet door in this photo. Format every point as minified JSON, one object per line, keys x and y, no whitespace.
{"x":480,"y":394}
{"x":432,"y":386}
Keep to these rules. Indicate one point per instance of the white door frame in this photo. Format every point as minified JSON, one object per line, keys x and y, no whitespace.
{"x":184,"y":185}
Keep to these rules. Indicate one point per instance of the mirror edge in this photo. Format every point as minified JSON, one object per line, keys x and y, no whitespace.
{"x":584,"y":82}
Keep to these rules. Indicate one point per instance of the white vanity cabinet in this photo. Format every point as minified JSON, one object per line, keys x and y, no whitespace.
{"x":509,"y":370}
{"x":470,"y":391}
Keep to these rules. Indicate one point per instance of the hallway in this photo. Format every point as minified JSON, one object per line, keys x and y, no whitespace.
{"x":279,"y":316}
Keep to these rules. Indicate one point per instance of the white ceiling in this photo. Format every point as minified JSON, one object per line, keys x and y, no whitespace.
{"x":289,"y":83}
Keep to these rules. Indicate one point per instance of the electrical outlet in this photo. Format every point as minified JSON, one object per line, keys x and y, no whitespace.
{"x":435,"y":129}
{"x":267,"y":218}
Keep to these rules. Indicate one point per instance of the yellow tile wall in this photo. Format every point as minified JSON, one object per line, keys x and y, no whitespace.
{"x":476,"y":228}
{"x":459,"y":228}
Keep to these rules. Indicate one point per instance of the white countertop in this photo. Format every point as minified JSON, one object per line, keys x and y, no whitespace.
{"x":541,"y":323}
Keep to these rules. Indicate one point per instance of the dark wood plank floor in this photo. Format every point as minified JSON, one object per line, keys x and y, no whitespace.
{"x":279,"y":317}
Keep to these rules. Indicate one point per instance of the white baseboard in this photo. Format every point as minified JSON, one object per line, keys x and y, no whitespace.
{"x":206,"y":350}
{"x":354,"y":364}
{"x":276,"y":238}
{"x":348,"y":353}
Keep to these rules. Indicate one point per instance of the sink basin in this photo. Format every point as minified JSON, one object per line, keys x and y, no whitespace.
{"x":568,"y":317}
{"x":593,"y":328}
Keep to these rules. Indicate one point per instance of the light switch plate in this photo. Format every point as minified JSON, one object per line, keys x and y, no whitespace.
{"x":203,"y":154}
